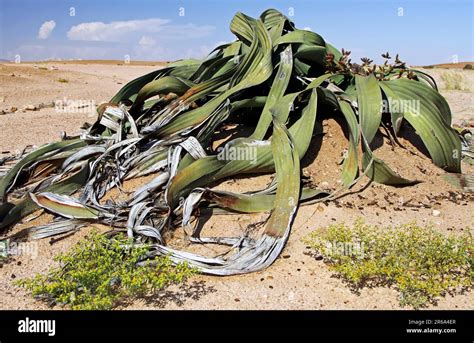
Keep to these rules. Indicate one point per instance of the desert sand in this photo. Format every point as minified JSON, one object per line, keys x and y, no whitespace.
{"x":296,"y":280}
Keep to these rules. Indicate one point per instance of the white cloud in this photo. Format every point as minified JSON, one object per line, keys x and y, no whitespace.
{"x":147,"y":40}
{"x":115,"y":30}
{"x":132,"y":30}
{"x":46,"y":29}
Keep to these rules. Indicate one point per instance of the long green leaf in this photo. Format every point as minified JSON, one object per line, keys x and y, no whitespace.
{"x":350,"y":166}
{"x":6,"y":181}
{"x":369,"y":98}
{"x":287,"y":169}
{"x":422,"y":108}
{"x":66,"y":206}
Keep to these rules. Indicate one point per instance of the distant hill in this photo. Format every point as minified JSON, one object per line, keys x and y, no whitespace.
{"x":459,"y":65}
{"x":108,"y":62}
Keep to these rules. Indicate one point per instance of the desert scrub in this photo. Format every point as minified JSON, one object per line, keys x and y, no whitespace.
{"x":62,"y":80}
{"x":99,"y":273}
{"x":421,"y":263}
{"x":453,"y":81}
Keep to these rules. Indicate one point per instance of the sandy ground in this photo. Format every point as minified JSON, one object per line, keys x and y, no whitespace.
{"x":42,"y":85}
{"x":296,"y":280}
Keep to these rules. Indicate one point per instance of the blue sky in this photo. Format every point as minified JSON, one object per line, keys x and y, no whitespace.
{"x":421,"y":31}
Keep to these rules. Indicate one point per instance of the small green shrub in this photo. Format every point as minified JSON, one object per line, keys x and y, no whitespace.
{"x":453,"y":81}
{"x":420,"y":262}
{"x":99,"y":273}
{"x":468,"y":67}
{"x":62,"y":80}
